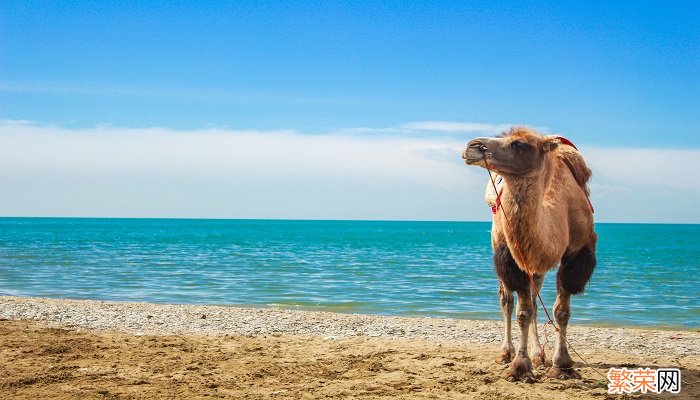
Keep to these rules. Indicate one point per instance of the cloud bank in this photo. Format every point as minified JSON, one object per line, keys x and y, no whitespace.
{"x":457,"y":127}
{"x":218,"y":173}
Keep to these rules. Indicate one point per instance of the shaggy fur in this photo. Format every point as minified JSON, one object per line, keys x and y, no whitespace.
{"x":512,"y":277}
{"x":575,"y":271}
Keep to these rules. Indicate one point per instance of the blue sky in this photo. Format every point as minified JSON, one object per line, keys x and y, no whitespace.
{"x":619,"y":78}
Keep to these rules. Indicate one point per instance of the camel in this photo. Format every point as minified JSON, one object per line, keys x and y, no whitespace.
{"x":543,"y":189}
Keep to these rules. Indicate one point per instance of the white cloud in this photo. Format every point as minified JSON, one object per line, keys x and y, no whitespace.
{"x":456,"y":127}
{"x":15,"y":122}
{"x":113,"y":171}
{"x":662,"y":168}
{"x":645,"y":185}
{"x":353,"y":174}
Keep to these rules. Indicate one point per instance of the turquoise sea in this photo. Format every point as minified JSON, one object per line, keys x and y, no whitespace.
{"x":647,"y":275}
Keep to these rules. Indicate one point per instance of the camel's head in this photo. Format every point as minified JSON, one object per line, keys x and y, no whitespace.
{"x":519,"y":152}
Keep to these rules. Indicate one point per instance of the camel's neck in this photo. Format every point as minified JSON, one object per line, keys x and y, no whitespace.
{"x":523,"y":202}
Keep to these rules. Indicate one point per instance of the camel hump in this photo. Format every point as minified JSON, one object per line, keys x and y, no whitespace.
{"x":577,"y":165}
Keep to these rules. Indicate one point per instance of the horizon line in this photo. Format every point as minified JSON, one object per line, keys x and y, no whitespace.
{"x":316,"y":220}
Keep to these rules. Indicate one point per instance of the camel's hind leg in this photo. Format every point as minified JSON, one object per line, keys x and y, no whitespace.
{"x":575,"y":271}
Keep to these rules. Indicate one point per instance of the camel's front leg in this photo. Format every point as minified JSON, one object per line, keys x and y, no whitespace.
{"x":507,"y":350}
{"x":521,"y":368}
{"x":536,"y":354}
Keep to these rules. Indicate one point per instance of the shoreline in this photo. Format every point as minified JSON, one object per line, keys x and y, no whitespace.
{"x":68,"y":349}
{"x":209,"y":320}
{"x":323,"y":310}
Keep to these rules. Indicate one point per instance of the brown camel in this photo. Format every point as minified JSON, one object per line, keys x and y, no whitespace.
{"x":543,"y":191}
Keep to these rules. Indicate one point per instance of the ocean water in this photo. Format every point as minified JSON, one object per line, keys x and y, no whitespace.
{"x":647,"y":275}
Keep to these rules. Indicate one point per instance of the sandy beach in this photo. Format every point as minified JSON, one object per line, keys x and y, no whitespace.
{"x":93,"y":349}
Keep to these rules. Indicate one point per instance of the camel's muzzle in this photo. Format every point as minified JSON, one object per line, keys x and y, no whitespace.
{"x":475,"y":152}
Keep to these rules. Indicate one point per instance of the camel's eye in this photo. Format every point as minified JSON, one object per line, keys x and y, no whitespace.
{"x":519,"y":145}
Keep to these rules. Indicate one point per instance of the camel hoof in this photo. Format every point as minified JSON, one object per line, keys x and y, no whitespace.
{"x":563,"y":373}
{"x":505,"y":357}
{"x":538,"y":360}
{"x":520,"y":371}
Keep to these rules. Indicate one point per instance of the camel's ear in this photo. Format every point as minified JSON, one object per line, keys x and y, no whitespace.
{"x":550,"y":144}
